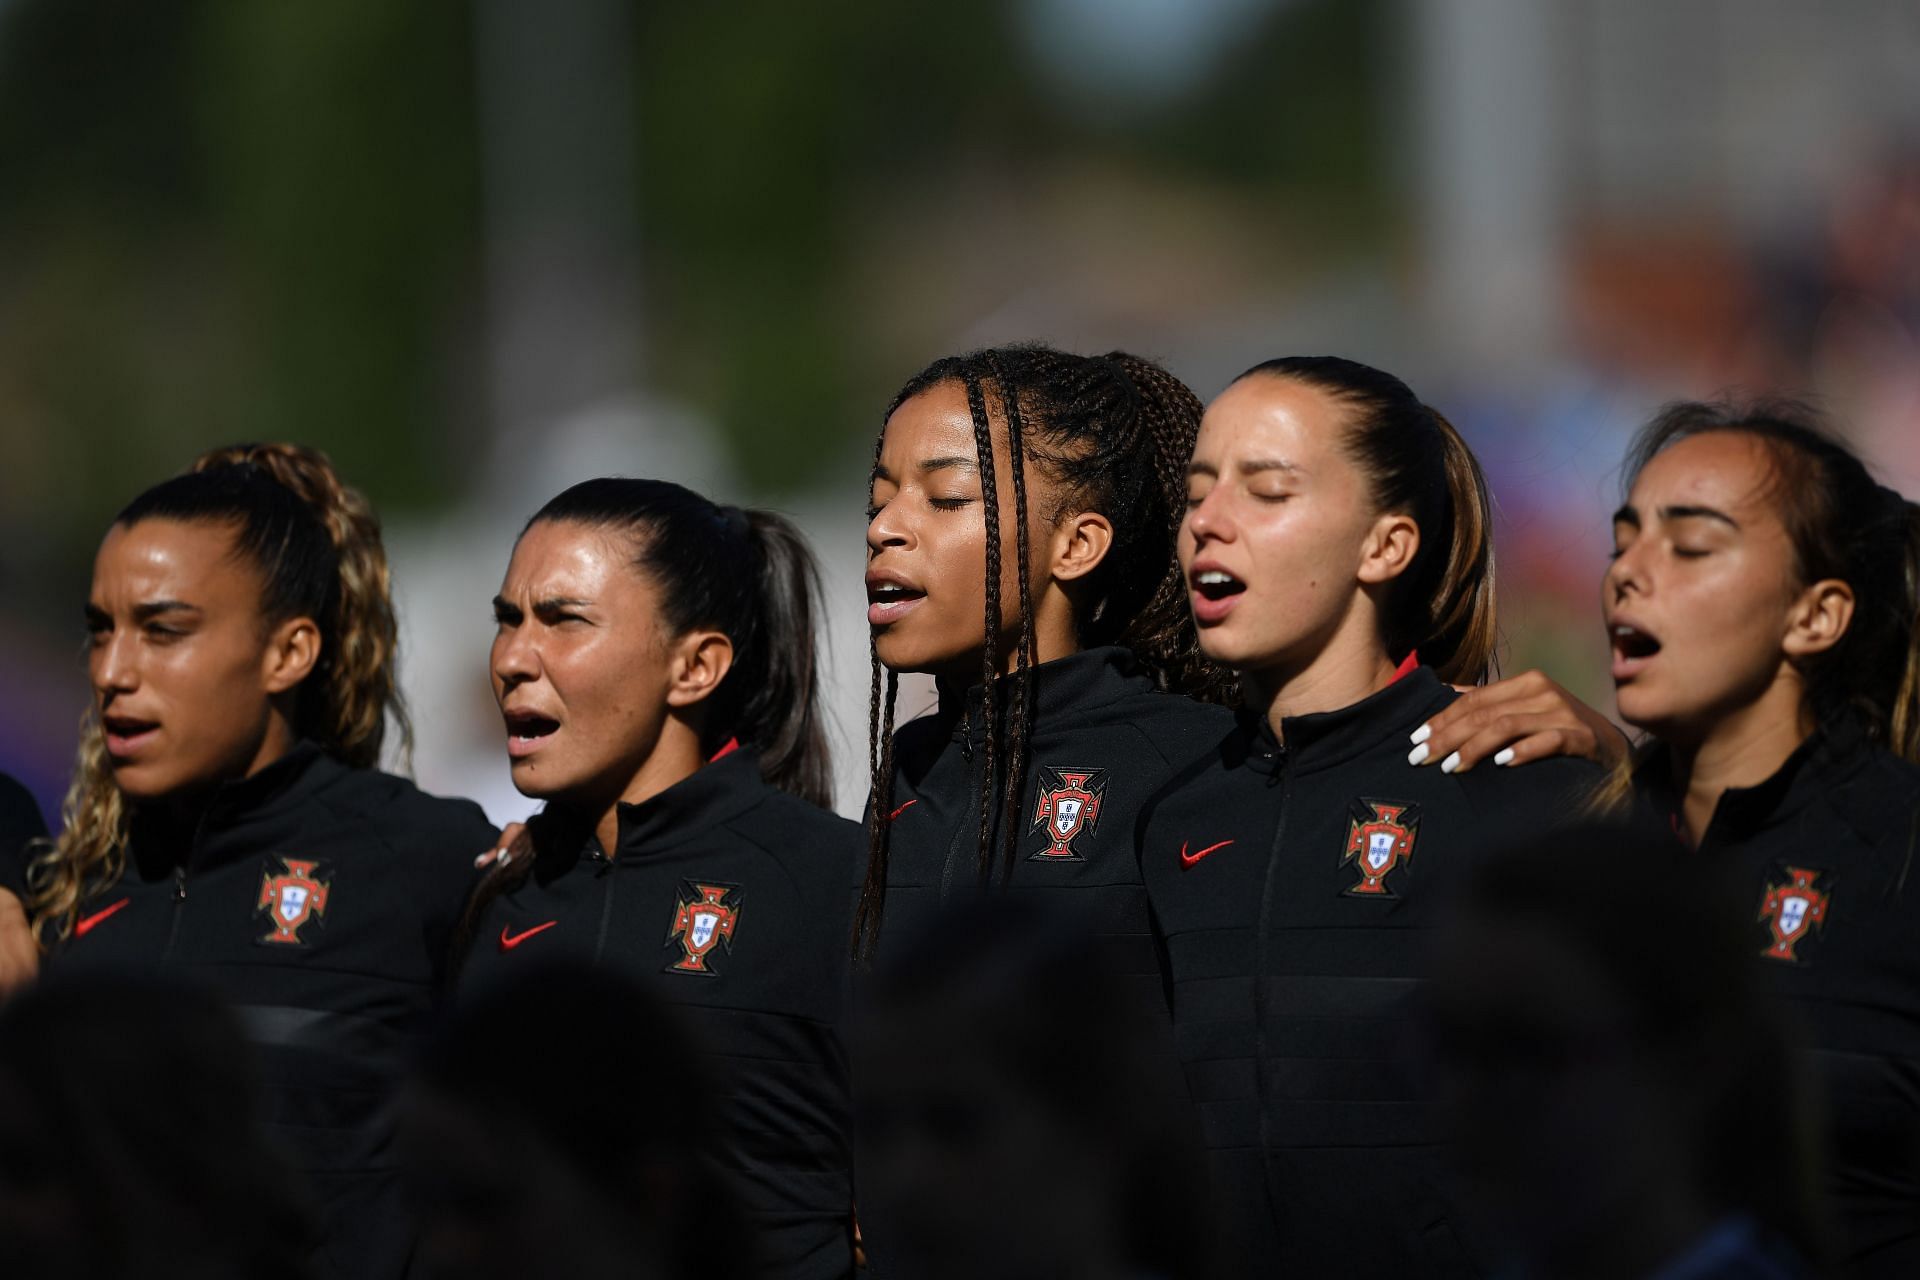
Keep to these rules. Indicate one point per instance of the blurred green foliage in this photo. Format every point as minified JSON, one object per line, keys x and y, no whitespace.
{"x":230,"y":219}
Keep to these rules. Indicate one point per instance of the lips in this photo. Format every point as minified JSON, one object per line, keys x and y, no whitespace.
{"x":891,"y":596}
{"x":127,"y":735}
{"x":527,"y":731}
{"x":1214,"y":591}
{"x":1633,"y":648}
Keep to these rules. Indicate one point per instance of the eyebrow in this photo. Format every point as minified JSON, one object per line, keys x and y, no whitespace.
{"x":154,"y":608}
{"x":1631,"y":515}
{"x":1253,"y":466}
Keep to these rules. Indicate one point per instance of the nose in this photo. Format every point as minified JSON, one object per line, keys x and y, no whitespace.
{"x":1627,"y":572}
{"x":887,"y":528}
{"x":1209,"y":521}
{"x":515,"y":658}
{"x":112,"y":664}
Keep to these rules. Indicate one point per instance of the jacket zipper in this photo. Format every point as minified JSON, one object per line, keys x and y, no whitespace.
{"x":179,"y":897}
{"x":607,"y":871}
{"x":1260,"y":977}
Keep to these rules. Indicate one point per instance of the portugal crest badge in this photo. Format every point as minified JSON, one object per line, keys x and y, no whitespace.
{"x":1792,"y":911}
{"x":292,"y":899}
{"x":1069,"y":807}
{"x":704,"y":918}
{"x":1380,"y":837}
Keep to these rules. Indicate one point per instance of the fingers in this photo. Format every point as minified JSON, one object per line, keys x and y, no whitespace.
{"x":1523,"y":718}
{"x":513,"y":842}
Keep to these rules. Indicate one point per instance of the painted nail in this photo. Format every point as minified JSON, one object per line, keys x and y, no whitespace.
{"x":484,"y":858}
{"x":1418,"y":755}
{"x":1451,"y":763}
{"x":1421,"y":734}
{"x":1503,"y":756}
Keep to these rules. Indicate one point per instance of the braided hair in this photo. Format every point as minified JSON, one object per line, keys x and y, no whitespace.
{"x":1114,"y":434}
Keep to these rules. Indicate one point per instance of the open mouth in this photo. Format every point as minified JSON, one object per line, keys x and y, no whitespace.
{"x":1632,"y":648}
{"x":526,"y":730}
{"x":125,"y":734}
{"x":1215,"y":591}
{"x":889,"y":600}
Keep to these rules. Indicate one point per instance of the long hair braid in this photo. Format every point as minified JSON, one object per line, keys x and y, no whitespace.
{"x":1020,"y":707}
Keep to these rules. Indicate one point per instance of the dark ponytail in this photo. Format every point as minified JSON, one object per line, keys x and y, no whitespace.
{"x":1443,"y":606}
{"x":1843,"y":525}
{"x":748,"y":575}
{"x":1114,"y":433}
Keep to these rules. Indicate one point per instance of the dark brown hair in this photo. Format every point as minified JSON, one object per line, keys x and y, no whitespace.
{"x":1843,"y":525}
{"x":1443,"y":605}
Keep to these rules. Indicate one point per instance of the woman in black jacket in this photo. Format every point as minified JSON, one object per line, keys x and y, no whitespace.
{"x":1764,"y":610}
{"x":227,"y":823}
{"x":1337,"y":549}
{"x":655,"y":666}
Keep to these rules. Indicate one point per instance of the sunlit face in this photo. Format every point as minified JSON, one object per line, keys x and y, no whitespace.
{"x":1278,"y":520}
{"x":179,"y":657}
{"x":580,"y":663}
{"x":927,"y":539}
{"x":1698,"y":597}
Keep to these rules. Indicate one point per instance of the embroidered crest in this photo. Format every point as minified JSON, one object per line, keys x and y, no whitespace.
{"x":1380,"y":836}
{"x":1069,"y":806}
{"x":704,"y":917}
{"x":1792,"y":911}
{"x":291,"y":900}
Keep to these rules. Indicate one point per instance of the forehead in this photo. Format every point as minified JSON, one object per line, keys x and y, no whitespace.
{"x":192,"y":561}
{"x":1729,"y":471}
{"x":1264,"y":414}
{"x":564,"y":558}
{"x":934,"y":424}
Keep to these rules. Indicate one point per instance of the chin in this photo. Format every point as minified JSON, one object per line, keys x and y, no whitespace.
{"x":902,"y":655}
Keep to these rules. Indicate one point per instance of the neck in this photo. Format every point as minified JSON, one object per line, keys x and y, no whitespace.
{"x":1740,"y":750}
{"x":674,"y":758}
{"x":953,"y":682}
{"x":1338,"y":676}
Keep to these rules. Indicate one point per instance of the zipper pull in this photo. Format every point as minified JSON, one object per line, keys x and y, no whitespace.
{"x":179,"y":884}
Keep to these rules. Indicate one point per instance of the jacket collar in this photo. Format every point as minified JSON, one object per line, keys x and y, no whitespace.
{"x":161,"y":837}
{"x":718,"y":790}
{"x":1090,"y":678}
{"x":1327,"y":738}
{"x":1817,"y":767}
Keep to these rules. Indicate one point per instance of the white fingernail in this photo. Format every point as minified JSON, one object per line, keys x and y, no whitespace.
{"x":1451,"y":763}
{"x":1503,"y":756}
{"x":1418,"y":755}
{"x":503,"y":857}
{"x":1421,"y":734}
{"x":483,"y":859}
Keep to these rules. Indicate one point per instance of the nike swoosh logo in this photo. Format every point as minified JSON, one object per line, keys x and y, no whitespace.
{"x":902,"y":809}
{"x":84,"y":926}
{"x":1188,"y":859}
{"x":509,"y":943}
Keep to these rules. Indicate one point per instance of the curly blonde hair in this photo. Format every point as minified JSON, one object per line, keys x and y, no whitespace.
{"x":346,"y":701}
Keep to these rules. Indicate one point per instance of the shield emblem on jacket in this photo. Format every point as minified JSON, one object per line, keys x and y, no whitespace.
{"x":1068,"y":807}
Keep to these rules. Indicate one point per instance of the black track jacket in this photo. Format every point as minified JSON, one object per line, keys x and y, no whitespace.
{"x":730,"y":898}
{"x":1295,"y":891}
{"x":320,"y":900}
{"x":1104,"y":740}
{"x":1824,"y":853}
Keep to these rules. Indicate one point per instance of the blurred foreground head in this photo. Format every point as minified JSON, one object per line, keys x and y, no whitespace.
{"x":130,"y":1142}
{"x":1615,"y":1081}
{"x":1015,"y":1110}
{"x":562,"y":1125}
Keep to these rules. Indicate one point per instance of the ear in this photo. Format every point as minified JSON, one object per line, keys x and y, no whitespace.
{"x":697,"y":663}
{"x":293,"y":650}
{"x":1818,"y":618}
{"x":1389,"y":548}
{"x":1080,"y":542}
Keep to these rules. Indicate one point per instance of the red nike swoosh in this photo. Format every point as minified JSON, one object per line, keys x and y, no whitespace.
{"x":902,"y":809}
{"x":509,"y":943}
{"x":83,"y":926}
{"x":1188,"y":859}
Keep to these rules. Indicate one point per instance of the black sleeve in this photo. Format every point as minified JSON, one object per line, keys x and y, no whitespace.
{"x":20,"y":822}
